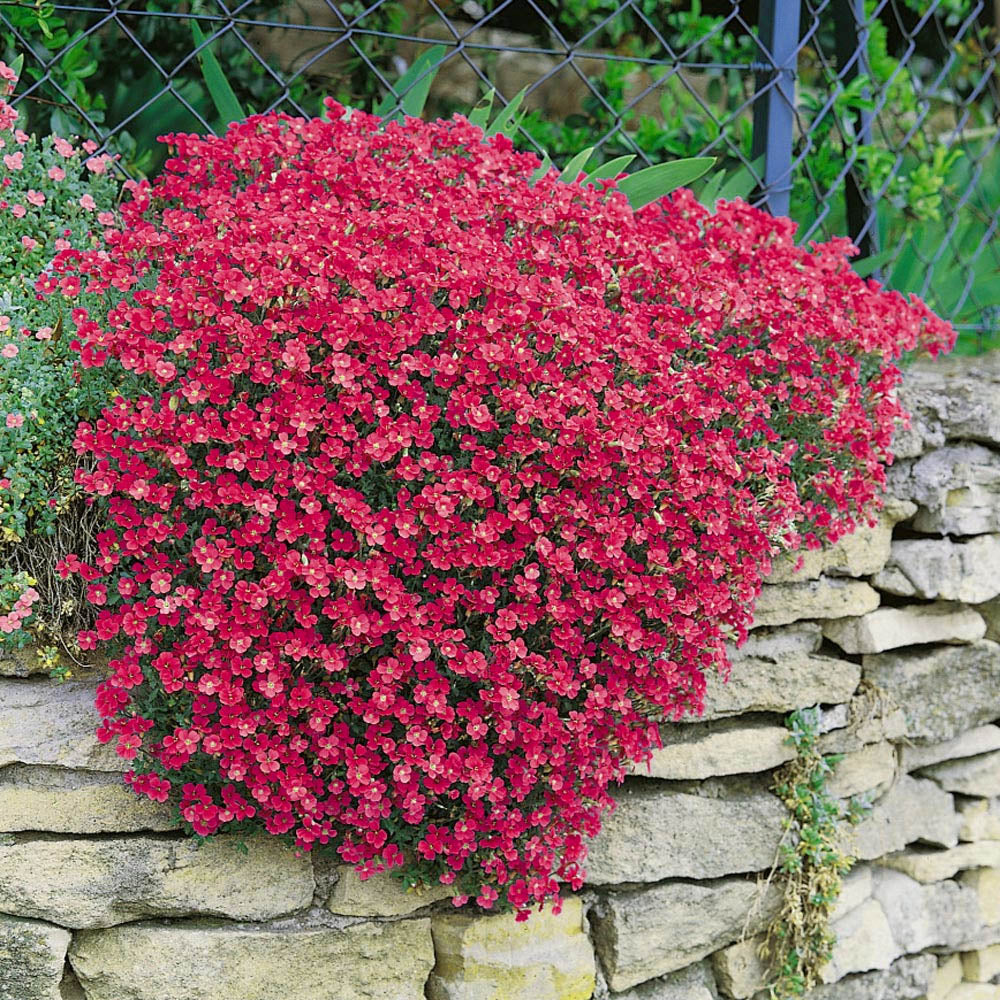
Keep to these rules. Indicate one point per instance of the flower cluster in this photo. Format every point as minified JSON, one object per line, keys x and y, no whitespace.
{"x":17,"y":595}
{"x":447,"y":486}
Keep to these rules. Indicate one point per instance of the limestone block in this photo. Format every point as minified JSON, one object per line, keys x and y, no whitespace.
{"x":926,"y":865}
{"x":871,"y":767}
{"x":956,"y":488}
{"x":779,"y":604}
{"x":943,"y":690}
{"x":46,"y":723}
{"x":727,"y":746}
{"x":974,"y":991}
{"x":209,"y":961}
{"x":695,"y":982}
{"x":545,"y":956}
{"x":379,"y":896}
{"x":860,"y":723}
{"x":645,"y":934}
{"x":946,"y":978}
{"x":978,"y":776}
{"x":991,"y":615}
{"x":58,"y":800}
{"x":782,"y":685}
{"x":863,"y":941}
{"x":912,"y":810}
{"x":21,"y":662}
{"x":855,"y":889}
{"x":739,"y":970}
{"x":928,"y":568}
{"x":985,"y":882}
{"x":32,"y":956}
{"x":98,"y":883}
{"x":942,"y":914}
{"x":775,"y":643}
{"x":976,"y":741}
{"x":657,"y":833}
{"x":906,"y":979}
{"x":983,"y":965}
{"x":980,"y":819}
{"x":918,"y":624}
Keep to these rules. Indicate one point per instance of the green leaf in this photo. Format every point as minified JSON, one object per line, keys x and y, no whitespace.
{"x":609,"y":170}
{"x":742,"y":181}
{"x":653,"y":183}
{"x":17,"y":65}
{"x":710,"y":192}
{"x":215,"y":80}
{"x":480,"y":114}
{"x":414,"y":85}
{"x":573,"y":168}
{"x":507,"y":120}
{"x":542,"y":170}
{"x":868,"y":265}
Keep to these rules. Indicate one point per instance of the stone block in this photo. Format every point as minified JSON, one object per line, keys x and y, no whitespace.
{"x":97,"y":883}
{"x":381,"y":895}
{"x":782,"y":685}
{"x":695,"y":982}
{"x":645,"y":934}
{"x":991,"y":615}
{"x":976,"y":741}
{"x":977,"y":776}
{"x":865,"y":720}
{"x":929,"y":568}
{"x":21,"y":662}
{"x":918,"y":624}
{"x":863,"y":941}
{"x":209,"y":961}
{"x":956,"y":489}
{"x":740,"y":972}
{"x":985,"y":883}
{"x":906,"y":979}
{"x":873,"y":767}
{"x":827,"y":597}
{"x":656,"y":833}
{"x":32,"y":956}
{"x":726,"y":746}
{"x":943,"y":691}
{"x":855,"y":889}
{"x":974,"y":991}
{"x":546,"y":956}
{"x":980,"y":819}
{"x":946,"y":978}
{"x":58,"y":800}
{"x":983,"y":965}
{"x":927,"y":865}
{"x":776,"y":643}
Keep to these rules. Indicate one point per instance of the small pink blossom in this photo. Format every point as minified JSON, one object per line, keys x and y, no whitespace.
{"x":43,"y":333}
{"x":7,"y":73}
{"x":28,"y":243}
{"x":61,"y":245}
{"x":14,"y":161}
{"x":90,"y":146}
{"x":87,"y":202}
{"x":36,"y":198}
{"x":21,"y":137}
{"x":15,"y":420}
{"x":19,"y":211}
{"x":62,"y":147}
{"x":57,"y":174}
{"x":9,"y":350}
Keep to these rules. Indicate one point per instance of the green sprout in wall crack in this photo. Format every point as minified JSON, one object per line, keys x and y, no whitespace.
{"x":811,"y":861}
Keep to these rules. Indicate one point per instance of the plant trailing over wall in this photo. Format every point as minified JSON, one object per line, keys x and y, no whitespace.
{"x":446,"y":486}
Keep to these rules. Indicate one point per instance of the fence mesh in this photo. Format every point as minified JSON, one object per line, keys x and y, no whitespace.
{"x":874,"y":118}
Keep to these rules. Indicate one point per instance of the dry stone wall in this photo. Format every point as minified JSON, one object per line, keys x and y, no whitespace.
{"x":894,"y":633}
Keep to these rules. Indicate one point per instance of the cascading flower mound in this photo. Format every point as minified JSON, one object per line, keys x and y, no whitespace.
{"x":449,"y":485}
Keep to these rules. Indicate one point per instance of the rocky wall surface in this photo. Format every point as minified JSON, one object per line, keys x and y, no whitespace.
{"x":894,"y":633}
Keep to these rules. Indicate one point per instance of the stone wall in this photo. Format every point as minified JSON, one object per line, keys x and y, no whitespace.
{"x":100,"y":897}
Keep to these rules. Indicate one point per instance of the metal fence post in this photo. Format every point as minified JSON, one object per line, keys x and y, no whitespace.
{"x":851,"y":32}
{"x":774,"y":108}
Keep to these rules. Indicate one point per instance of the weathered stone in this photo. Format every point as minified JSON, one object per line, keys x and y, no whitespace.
{"x":695,"y":982}
{"x":978,"y":776}
{"x":980,"y":819}
{"x":912,"y":810}
{"x":780,"y":686}
{"x":981,"y":966}
{"x":935,"y":866}
{"x":32,"y":956}
{"x":58,"y":800}
{"x":873,"y":767}
{"x":546,"y":956}
{"x":727,"y":746}
{"x":974,"y":991}
{"x":943,"y":691}
{"x":779,"y":604}
{"x":641,"y":935}
{"x":855,"y":889}
{"x":657,"y":833}
{"x":976,"y":741}
{"x":985,"y":883}
{"x":739,"y":970}
{"x":918,"y":624}
{"x":906,"y":979}
{"x":991,"y":615}
{"x":380,"y":961}
{"x":862,"y":941}
{"x":928,"y":568}
{"x":21,"y":662}
{"x":956,"y":488}
{"x":865,"y":720}
{"x":777,"y":643}
{"x":379,"y":896}
{"x":98,"y":883}
{"x":925,"y":916}
{"x":946,"y":978}
{"x":46,"y":723}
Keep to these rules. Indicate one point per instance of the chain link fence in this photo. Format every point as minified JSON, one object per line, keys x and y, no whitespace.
{"x":872,"y":118}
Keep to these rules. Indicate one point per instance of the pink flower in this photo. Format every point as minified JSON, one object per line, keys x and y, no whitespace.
{"x":62,"y":147}
{"x":35,"y":198}
{"x":57,"y":174}
{"x":9,"y":350}
{"x":28,"y":243}
{"x":97,"y":164}
{"x":90,"y":146}
{"x":87,"y":202}
{"x":106,"y":218}
{"x":19,"y":211}
{"x":43,"y":333}
{"x":7,"y":73}
{"x":15,"y":420}
{"x":21,"y":137}
{"x":14,"y":161}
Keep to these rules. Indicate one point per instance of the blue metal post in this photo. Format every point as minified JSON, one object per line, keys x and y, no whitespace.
{"x":774,"y":108}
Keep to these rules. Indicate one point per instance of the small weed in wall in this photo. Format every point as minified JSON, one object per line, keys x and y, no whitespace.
{"x":812,"y":862}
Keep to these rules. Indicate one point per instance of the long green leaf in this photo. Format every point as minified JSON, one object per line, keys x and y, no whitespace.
{"x":480,"y":114}
{"x":542,"y":170}
{"x":869,"y":265}
{"x":222,"y":95}
{"x":507,"y":120}
{"x":573,"y":168}
{"x":608,"y":170}
{"x":742,"y":181}
{"x":412,"y":88}
{"x":17,"y":65}
{"x":710,"y":192}
{"x":653,"y":183}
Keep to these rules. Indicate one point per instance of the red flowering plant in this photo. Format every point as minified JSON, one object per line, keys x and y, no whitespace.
{"x":448,"y":485}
